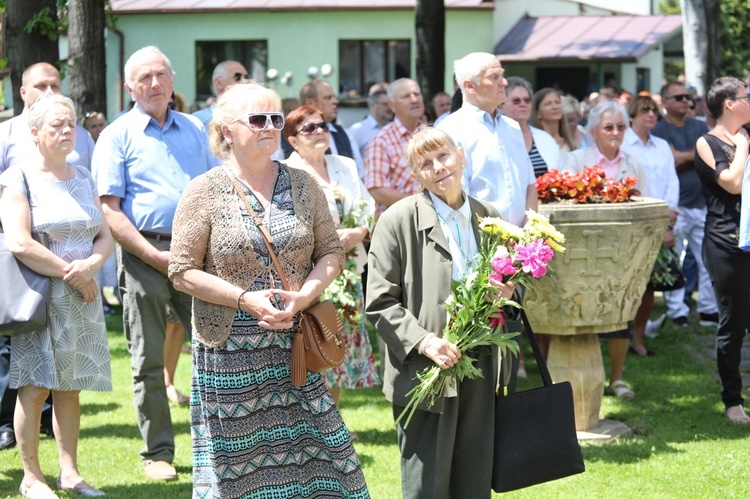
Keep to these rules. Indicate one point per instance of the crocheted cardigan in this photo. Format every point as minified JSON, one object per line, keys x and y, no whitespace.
{"x":209,"y":235}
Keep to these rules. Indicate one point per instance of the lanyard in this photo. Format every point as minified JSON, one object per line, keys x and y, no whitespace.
{"x":458,"y":236}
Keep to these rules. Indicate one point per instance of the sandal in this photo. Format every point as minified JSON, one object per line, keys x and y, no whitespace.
{"x":176,"y":397}
{"x":741,"y":418}
{"x":620,"y":389}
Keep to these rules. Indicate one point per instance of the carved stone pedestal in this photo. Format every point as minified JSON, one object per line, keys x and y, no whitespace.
{"x":578,"y":359}
{"x":594,"y":287}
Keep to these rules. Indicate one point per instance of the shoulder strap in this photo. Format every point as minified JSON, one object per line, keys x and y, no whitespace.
{"x":261,"y":227}
{"x":541,"y":363}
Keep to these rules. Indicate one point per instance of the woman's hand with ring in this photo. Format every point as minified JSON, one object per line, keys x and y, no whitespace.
{"x":442,"y":352}
{"x":259,"y":304}
{"x":502,"y":290}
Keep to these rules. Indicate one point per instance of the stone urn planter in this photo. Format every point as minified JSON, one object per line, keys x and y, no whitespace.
{"x":594,"y":287}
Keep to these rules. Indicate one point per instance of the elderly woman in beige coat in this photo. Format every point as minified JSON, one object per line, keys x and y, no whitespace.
{"x":290,"y":440}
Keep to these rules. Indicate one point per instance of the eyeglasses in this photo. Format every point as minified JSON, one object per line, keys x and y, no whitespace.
{"x":646,"y":109}
{"x":679,"y":97}
{"x":238,"y":77}
{"x":260,"y":121}
{"x":744,"y":97}
{"x":311,"y":128}
{"x":517,"y":100}
{"x":609,"y":127}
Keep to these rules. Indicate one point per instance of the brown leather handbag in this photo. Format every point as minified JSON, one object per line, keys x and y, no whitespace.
{"x":318,"y":344}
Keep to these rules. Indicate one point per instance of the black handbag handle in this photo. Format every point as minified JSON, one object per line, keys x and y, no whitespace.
{"x":546,"y":378}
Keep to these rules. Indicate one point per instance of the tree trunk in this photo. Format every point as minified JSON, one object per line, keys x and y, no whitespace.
{"x":430,"y":30}
{"x":86,"y":61}
{"x":701,"y":34}
{"x":25,"y":49}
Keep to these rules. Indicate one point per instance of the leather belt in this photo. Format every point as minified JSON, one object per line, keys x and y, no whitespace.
{"x":155,"y":236}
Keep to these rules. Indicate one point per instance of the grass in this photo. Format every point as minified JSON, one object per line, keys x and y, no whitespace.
{"x":684,"y":447}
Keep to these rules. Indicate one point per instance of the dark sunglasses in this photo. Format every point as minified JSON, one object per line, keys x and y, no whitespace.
{"x":311,"y":128}
{"x":260,"y":121}
{"x":679,"y":97}
{"x":609,"y":128}
{"x":646,"y":109}
{"x":239,"y":77}
{"x":516,"y":101}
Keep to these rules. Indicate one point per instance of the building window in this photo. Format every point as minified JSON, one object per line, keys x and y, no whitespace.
{"x":365,"y":62}
{"x":253,"y":54}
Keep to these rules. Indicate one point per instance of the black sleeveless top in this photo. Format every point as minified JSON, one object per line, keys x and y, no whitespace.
{"x":723,"y":217}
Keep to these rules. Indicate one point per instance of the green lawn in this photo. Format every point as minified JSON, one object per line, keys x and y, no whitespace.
{"x":684,"y":446}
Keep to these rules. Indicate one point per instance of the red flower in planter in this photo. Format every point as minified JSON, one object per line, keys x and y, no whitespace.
{"x":589,"y":186}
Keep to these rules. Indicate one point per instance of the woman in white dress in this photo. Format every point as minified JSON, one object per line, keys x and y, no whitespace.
{"x":49,"y":195}
{"x":352,"y":209}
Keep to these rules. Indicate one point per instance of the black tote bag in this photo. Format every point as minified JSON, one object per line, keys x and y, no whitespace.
{"x":535,"y":434}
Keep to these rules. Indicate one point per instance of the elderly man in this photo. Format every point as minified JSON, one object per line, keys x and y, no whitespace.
{"x":681,"y":132}
{"x":388,"y":177}
{"x":441,"y":103}
{"x":498,"y":169}
{"x":142,"y":163}
{"x":319,"y":95}
{"x":225,"y":73}
{"x":380,"y":115}
{"x":16,"y":146}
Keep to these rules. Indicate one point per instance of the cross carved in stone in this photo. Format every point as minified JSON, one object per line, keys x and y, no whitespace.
{"x":592,"y":252}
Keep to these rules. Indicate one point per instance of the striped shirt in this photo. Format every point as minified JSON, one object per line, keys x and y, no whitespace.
{"x":385,"y":163}
{"x":540,"y":166}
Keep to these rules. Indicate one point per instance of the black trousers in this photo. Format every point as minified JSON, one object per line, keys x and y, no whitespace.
{"x":730,"y":276}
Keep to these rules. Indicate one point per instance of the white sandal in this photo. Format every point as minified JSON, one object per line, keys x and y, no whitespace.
{"x":621,"y":390}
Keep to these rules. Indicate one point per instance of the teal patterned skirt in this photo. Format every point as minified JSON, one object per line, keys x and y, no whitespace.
{"x":257,"y":436}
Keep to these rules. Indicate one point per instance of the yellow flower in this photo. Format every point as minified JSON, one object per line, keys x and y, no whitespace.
{"x":541,"y":224}
{"x":554,"y":245}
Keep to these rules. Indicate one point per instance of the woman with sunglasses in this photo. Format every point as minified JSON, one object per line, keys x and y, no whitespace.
{"x":254,"y":433}
{"x":720,"y":159}
{"x":607,"y":124}
{"x":657,"y":158}
{"x":541,"y":147}
{"x":352,"y":209}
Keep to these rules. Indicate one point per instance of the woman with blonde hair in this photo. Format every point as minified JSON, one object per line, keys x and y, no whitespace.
{"x":254,"y":432}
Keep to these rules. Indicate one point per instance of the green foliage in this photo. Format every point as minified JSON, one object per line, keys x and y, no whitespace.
{"x":44,"y":22}
{"x":735,"y":53}
{"x":670,"y":6}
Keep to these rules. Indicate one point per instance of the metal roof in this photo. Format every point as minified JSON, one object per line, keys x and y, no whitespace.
{"x":594,"y":38}
{"x":190,"y":6}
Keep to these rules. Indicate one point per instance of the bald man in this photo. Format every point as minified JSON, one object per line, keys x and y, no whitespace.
{"x":16,"y":146}
{"x":225,"y":73}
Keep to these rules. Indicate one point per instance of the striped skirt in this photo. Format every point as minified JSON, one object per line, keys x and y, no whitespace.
{"x":257,"y":436}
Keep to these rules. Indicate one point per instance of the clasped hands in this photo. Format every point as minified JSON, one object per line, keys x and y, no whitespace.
{"x":261,"y":306}
{"x":80,"y":275}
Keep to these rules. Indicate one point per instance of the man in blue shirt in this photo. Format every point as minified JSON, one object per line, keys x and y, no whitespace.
{"x":17,"y":146}
{"x":225,"y":73}
{"x":142,"y":163}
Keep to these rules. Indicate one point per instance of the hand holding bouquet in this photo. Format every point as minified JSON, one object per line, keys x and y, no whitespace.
{"x":507,"y":254}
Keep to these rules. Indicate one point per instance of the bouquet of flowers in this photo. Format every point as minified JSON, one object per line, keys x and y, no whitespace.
{"x":589,"y":186}
{"x":475,"y":321}
{"x":342,"y":290}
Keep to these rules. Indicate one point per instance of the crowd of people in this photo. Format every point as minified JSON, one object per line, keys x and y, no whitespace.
{"x":200,"y":206}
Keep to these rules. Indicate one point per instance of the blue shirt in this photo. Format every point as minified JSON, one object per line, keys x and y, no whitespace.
{"x":17,"y":146}
{"x":498,"y":168}
{"x":744,"y":242}
{"x":148,"y":166}
{"x":205,"y":115}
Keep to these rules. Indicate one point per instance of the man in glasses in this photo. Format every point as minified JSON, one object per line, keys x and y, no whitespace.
{"x":681,"y":132}
{"x":320,"y":95}
{"x":142,"y":163}
{"x":380,"y":115}
{"x":225,"y":73}
{"x":17,"y":146}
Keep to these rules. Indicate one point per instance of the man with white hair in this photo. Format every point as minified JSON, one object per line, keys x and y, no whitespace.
{"x":498,"y":169}
{"x":142,"y":163}
{"x":225,"y":73}
{"x":388,"y":176}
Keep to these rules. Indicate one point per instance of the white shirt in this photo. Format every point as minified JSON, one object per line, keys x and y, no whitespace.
{"x":357,"y":157}
{"x":498,"y":168}
{"x":363,"y":131}
{"x":456,"y":227}
{"x":658,"y":161}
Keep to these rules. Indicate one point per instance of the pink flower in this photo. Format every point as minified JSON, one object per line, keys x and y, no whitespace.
{"x":503,"y":266}
{"x":534,"y":256}
{"x":497,"y":320}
